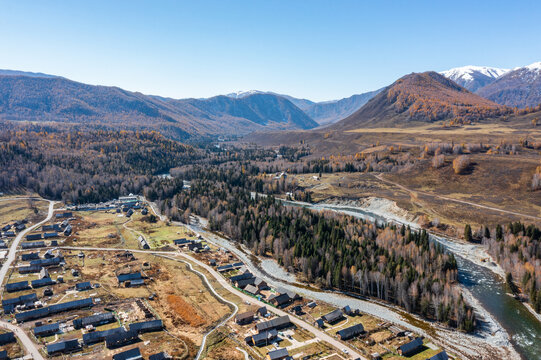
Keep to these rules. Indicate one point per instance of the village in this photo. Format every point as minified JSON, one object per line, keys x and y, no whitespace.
{"x":114,"y":280}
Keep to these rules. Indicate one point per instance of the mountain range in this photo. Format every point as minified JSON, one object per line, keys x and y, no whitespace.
{"x":421,"y":97}
{"x":460,"y":94}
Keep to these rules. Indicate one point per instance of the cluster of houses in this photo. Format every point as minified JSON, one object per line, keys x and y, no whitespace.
{"x":10,"y":230}
{"x":192,"y":245}
{"x":265,"y":332}
{"x":113,"y":338}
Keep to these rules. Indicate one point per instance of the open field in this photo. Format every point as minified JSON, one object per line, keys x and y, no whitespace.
{"x":18,"y":209}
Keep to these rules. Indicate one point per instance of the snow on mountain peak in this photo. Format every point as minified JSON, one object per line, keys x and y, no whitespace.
{"x":536,"y":66}
{"x":468,"y":72}
{"x":242,"y":94}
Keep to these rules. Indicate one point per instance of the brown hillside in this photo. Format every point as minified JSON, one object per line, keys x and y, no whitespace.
{"x":424,"y":97}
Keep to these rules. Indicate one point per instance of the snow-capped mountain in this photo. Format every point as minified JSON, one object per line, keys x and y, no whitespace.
{"x":519,"y":87}
{"x":474,"y":77}
{"x":242,"y":94}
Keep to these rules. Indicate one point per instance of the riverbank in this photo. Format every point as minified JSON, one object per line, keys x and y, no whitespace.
{"x":379,"y":208}
{"x":491,"y":342}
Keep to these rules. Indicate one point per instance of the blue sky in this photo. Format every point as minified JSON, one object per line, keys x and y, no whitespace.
{"x":319,"y":50}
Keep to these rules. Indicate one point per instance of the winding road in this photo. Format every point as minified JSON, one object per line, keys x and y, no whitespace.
{"x":226,"y":285}
{"x":25,"y":340}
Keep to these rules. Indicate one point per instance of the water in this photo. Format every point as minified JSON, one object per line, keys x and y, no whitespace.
{"x":522,"y":326}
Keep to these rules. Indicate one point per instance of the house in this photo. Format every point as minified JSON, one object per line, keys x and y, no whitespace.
{"x":411,"y":348}
{"x":93,"y":337}
{"x":9,"y":234}
{"x":68,"y":230}
{"x":43,"y":273}
{"x":48,"y":292}
{"x":94,"y":320}
{"x":241,"y":284}
{"x":146,"y":326}
{"x":279,"y":300}
{"x":23,"y":299}
{"x":265,"y":338}
{"x":128,"y":277}
{"x":83,"y":286}
{"x":375,"y":356}
{"x":6,"y":227}
{"x":261,"y":284}
{"x":48,"y":261}
{"x":439,"y":356}
{"x":144,"y":211}
{"x":297,"y":310}
{"x":17,"y":286}
{"x":53,"y":309}
{"x":46,"y":330}
{"x":278,"y":354}
{"x":251,"y":289}
{"x":319,"y":323}
{"x":159,"y":356}
{"x":53,"y":227}
{"x":33,"y":237}
{"x":311,"y":304}
{"x":129,"y":213}
{"x":262,"y":311}
{"x":32,"y":269}
{"x":181,"y":242}
{"x":333,"y":317}
{"x":49,"y":235}
{"x":212,"y":262}
{"x":120,"y":338}
{"x":132,"y":354}
{"x":3,"y":244}
{"x":195,"y":246}
{"x":30,"y":256}
{"x":4,"y":355}
{"x":350,"y":332}
{"x":244,"y":318}
{"x":277,"y":323}
{"x":63,"y":347}
{"x":397,"y":331}
{"x":20,"y":227}
{"x":7,"y":338}
{"x":48,"y":254}
{"x":239,"y":277}
{"x":347,"y":310}
{"x":143,"y":243}
{"x":33,"y":245}
{"x":134,"y":283}
{"x":63,"y":215}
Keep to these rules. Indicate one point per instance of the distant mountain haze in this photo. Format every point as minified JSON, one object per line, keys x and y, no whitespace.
{"x":325,"y":112}
{"x":58,"y":100}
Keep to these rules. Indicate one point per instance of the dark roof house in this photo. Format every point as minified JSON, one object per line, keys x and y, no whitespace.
{"x":83,"y":286}
{"x":63,"y":347}
{"x":46,"y":330}
{"x":333,"y":316}
{"x":244,"y":318}
{"x":351,"y":332}
{"x":7,"y":338}
{"x":265,"y":338}
{"x":132,"y":354}
{"x":146,"y":326}
{"x":278,"y":354}
{"x":277,"y":323}
{"x":17,"y":286}
{"x":411,"y":348}
{"x":94,"y":320}
{"x":439,"y":356}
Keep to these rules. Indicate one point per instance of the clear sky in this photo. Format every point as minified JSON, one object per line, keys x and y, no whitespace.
{"x":319,"y":50}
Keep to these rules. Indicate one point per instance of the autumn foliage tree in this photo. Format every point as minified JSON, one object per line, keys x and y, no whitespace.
{"x":461,"y":164}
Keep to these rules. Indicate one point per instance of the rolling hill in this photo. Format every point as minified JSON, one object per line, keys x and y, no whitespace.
{"x":57,"y":101}
{"x":519,"y":87}
{"x":421,"y":97}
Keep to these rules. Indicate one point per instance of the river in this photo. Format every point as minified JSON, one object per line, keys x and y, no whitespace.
{"x":487,"y":288}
